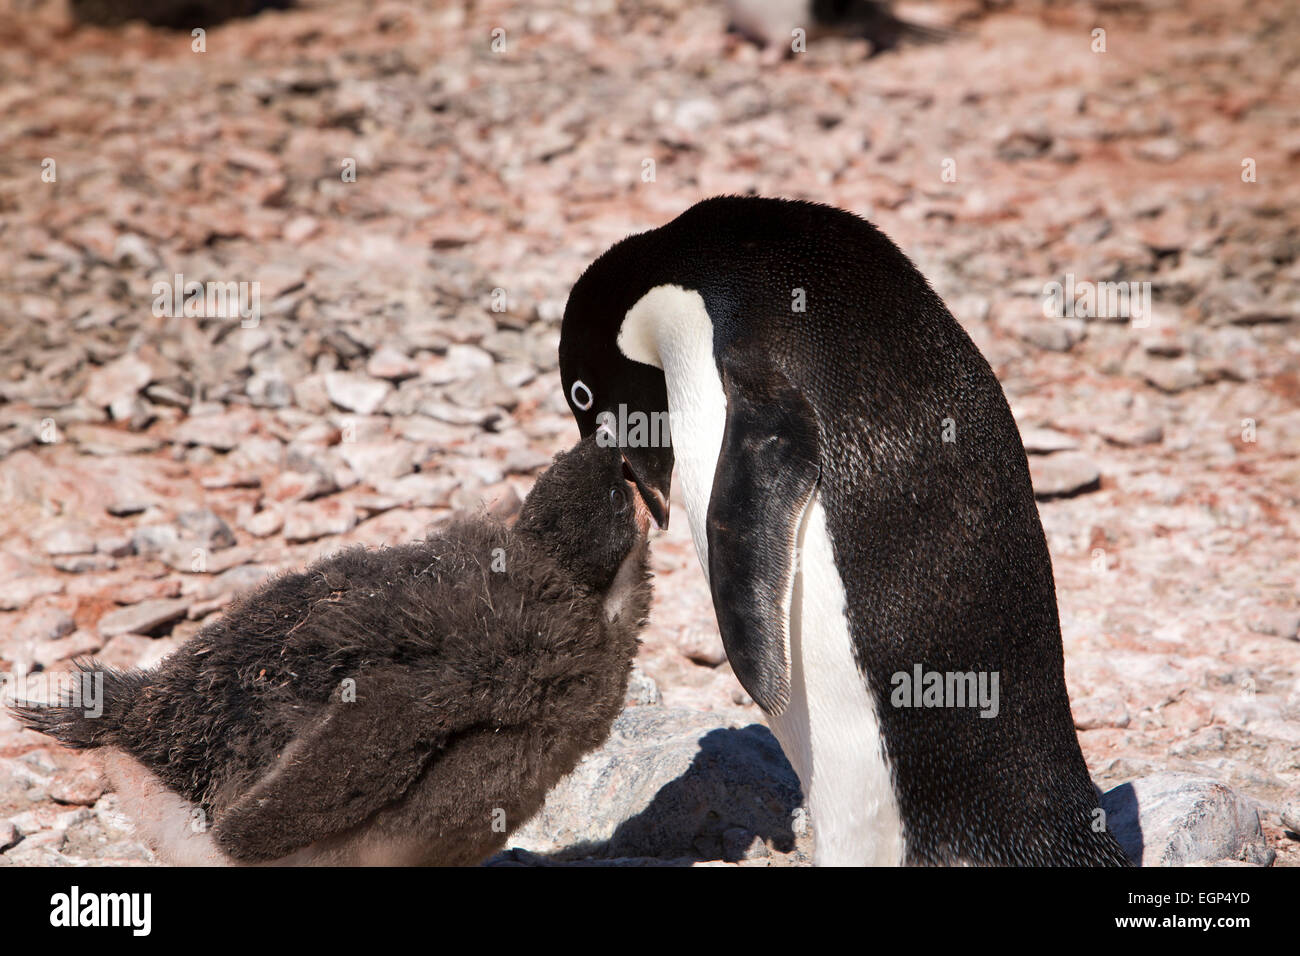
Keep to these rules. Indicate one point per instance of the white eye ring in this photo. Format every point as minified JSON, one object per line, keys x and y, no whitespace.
{"x":573,"y":394}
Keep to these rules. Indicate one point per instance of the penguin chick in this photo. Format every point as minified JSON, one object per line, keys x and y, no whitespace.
{"x":411,"y":705}
{"x":770,"y":23}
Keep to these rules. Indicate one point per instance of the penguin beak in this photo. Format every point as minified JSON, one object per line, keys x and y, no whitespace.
{"x":652,"y":474}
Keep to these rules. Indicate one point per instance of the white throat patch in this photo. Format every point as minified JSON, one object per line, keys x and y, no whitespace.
{"x":670,"y":329}
{"x":830,"y":733}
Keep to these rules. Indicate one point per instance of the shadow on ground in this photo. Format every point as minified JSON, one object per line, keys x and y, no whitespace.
{"x":736,"y":798}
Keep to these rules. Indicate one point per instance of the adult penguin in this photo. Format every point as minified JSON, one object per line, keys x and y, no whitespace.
{"x":860,"y":501}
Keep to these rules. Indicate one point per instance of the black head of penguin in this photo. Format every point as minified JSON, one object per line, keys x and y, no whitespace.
{"x":593,"y":370}
{"x":583,"y":513}
{"x":748,"y":257}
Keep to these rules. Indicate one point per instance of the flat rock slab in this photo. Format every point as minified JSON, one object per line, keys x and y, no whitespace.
{"x":1044,"y":441}
{"x":1175,"y":819}
{"x":672,"y":784}
{"x":356,"y":393}
{"x":1063,"y":475}
{"x":119,"y":379}
{"x":19,"y":593}
{"x":143,"y":617}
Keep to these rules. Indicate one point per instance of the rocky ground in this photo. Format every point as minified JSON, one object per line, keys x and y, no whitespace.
{"x":414,"y":205}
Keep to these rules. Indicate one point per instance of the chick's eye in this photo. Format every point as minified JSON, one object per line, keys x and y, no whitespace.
{"x":618,"y":499}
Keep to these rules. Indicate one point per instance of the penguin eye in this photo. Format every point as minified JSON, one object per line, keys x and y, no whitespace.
{"x":618,"y":499}
{"x":579,"y":387}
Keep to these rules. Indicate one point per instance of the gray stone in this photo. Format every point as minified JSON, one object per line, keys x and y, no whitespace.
{"x":21,"y":592}
{"x":515,"y":374}
{"x":1176,"y":819}
{"x":469,"y":361}
{"x":523,"y":461}
{"x":310,"y":394}
{"x":1291,"y":816}
{"x":81,"y":563}
{"x":1055,"y":335}
{"x":206,"y":529}
{"x":1044,"y":441}
{"x":503,"y":501}
{"x":80,"y":788}
{"x":131,"y":249}
{"x":420,"y":490}
{"x":221,"y":431}
{"x":77,"y":644}
{"x":421,"y":429}
{"x":218,"y":481}
{"x":152,"y":540}
{"x":137,"y":413}
{"x":1164,"y":342}
{"x":1022,"y":143}
{"x":191,"y":557}
{"x":143,"y":617}
{"x":1100,"y":710}
{"x":264,"y":523}
{"x":133,"y":650}
{"x":1278,"y":623}
{"x":1133,"y":434}
{"x":67,"y":540}
{"x":300,"y":485}
{"x":1165,"y":149}
{"x":46,"y":624}
{"x":236,"y":581}
{"x":118,"y":380}
{"x":484,"y":391}
{"x":269,"y":389}
{"x":642,"y":691}
{"x":169,"y":394}
{"x":308,"y":521}
{"x":493,"y":419}
{"x":356,"y":393}
{"x":1173,"y":375}
{"x":668,"y":783}
{"x":375,"y":461}
{"x":97,"y":440}
{"x":14,"y":440}
{"x":1063,"y":475}
{"x":389,"y":363}
{"x":437,"y":370}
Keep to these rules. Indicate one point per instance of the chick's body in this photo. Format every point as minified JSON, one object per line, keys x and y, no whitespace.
{"x":408,"y":705}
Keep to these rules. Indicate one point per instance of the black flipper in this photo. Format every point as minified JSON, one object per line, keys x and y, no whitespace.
{"x":767,"y":472}
{"x":355,"y":759}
